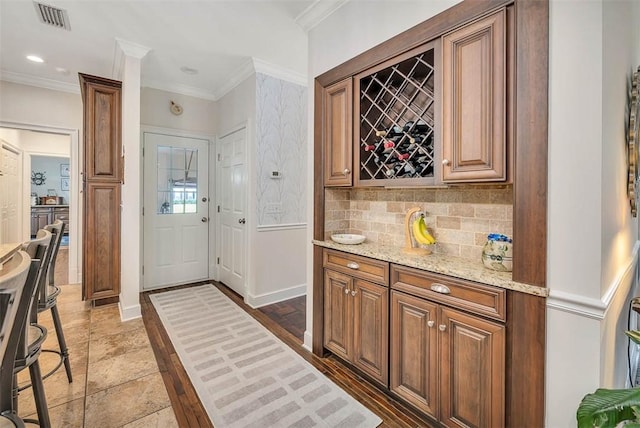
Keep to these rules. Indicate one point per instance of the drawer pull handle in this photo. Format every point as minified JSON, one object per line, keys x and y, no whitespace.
{"x":439,"y":288}
{"x":353,"y":265}
{"x":431,"y":323}
{"x":346,"y":291}
{"x":442,"y":327}
{"x":353,"y":293}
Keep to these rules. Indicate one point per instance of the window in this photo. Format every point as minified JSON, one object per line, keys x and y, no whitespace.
{"x":177,"y":180}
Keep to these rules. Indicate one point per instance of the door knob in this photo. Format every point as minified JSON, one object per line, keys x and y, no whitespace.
{"x":204,"y":199}
{"x":242,"y":221}
{"x":204,"y":219}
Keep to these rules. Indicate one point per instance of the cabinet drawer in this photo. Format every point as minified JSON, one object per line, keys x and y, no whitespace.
{"x":473,"y":297}
{"x":357,"y":266}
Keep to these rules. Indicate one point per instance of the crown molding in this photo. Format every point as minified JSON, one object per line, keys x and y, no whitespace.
{"x":124,"y":48}
{"x":281,"y":73}
{"x":317,"y":12}
{"x":179,"y":89}
{"x":40,"y":82}
{"x":256,"y":65}
{"x":235,"y":79}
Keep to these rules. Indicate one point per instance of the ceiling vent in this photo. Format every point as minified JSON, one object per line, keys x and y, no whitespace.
{"x":52,"y":16}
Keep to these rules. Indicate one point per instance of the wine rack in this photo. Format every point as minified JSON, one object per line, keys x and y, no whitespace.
{"x":395,"y":114}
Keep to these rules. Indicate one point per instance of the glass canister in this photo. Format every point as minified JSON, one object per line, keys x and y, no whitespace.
{"x":497,"y":253}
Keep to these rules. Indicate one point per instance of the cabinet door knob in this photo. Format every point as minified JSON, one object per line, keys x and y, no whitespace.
{"x":446,"y":162}
{"x":353,"y":293}
{"x":346,"y":171}
{"x":346,"y":291}
{"x":442,"y":327}
{"x":353,"y":265}
{"x":431,"y":323}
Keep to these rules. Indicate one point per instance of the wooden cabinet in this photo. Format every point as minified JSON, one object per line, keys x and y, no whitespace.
{"x":472,"y":370}
{"x":356,"y":317}
{"x":102,"y":177}
{"x":397,"y":120}
{"x":476,"y":103}
{"x":448,"y":363}
{"x":338,"y":134}
{"x":42,"y":216}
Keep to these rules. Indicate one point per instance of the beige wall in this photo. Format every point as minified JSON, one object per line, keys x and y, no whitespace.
{"x":198,"y":116}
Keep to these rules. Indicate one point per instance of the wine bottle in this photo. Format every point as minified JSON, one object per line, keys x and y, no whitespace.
{"x":421,"y":127}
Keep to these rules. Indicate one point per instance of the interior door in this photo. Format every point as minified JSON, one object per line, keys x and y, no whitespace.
{"x":10,"y":195}
{"x":175,"y":210}
{"x":232,"y":206}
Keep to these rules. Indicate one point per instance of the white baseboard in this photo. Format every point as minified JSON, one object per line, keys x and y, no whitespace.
{"x":308,"y":341}
{"x":276,"y":296}
{"x":130,"y":313}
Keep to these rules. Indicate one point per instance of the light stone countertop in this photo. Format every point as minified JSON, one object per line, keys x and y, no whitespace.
{"x":438,"y":263}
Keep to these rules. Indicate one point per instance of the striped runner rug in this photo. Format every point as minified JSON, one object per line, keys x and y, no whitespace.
{"x":243,"y":374}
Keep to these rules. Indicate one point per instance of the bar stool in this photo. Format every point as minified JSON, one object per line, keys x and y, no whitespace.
{"x":17,"y":287}
{"x":48,"y":297}
{"x":34,"y":335}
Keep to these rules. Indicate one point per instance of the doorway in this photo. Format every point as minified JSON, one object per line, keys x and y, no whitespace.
{"x":232,"y":195}
{"x":175,"y":210}
{"x":36,"y":140}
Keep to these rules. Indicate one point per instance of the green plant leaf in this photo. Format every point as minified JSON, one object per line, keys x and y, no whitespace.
{"x":634,"y":335}
{"x":606,"y":408}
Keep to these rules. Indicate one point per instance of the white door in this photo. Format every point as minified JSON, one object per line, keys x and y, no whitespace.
{"x":10,"y":195}
{"x":175,"y":210}
{"x":232,"y":184}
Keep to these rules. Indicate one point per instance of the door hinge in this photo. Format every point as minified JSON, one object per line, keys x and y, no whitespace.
{"x":142,"y":210}
{"x":143,"y":269}
{"x":142,"y":151}
{"x":218,"y":260}
{"x":218,"y":208}
{"x":219,"y":157}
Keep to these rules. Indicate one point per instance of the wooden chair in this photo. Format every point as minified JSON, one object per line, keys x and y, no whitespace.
{"x":34,"y":335}
{"x":48,"y":297}
{"x":17,"y":286}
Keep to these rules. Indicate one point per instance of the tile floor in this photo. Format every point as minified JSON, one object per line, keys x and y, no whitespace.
{"x":116,"y":381}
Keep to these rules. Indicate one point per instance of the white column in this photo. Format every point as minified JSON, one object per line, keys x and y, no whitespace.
{"x":127,"y":67}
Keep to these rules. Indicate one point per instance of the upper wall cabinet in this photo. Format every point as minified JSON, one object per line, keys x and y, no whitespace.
{"x":476,"y":100}
{"x":396,"y":120}
{"x":338,"y":134}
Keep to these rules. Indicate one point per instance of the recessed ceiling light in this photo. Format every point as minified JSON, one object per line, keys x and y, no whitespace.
{"x":188,"y":70}
{"x":34,"y":58}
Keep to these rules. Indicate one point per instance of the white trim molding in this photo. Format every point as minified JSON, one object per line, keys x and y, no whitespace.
{"x":276,"y":296}
{"x":239,"y":76}
{"x":124,"y":48}
{"x":275,"y":227}
{"x":278,"y":72}
{"x":590,"y":307}
{"x":40,"y":82}
{"x":308,"y":341}
{"x":317,"y":12}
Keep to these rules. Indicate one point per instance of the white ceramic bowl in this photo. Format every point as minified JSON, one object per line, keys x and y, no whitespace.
{"x":348,"y":238}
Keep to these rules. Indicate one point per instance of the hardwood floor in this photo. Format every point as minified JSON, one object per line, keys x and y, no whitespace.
{"x":189,"y":411}
{"x":289,"y":314}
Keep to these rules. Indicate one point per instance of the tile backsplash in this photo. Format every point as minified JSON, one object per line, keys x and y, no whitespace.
{"x":459,"y":218}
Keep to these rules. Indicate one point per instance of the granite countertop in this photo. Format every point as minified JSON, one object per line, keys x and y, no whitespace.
{"x":7,"y":250}
{"x":438,"y":263}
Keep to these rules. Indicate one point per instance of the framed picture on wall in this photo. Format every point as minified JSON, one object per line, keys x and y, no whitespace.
{"x":64,"y":170}
{"x":64,"y":184}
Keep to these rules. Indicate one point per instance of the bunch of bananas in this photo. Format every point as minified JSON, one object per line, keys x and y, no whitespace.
{"x":420,"y":232}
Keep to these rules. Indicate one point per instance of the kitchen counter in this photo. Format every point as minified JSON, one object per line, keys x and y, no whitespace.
{"x":439,"y":263}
